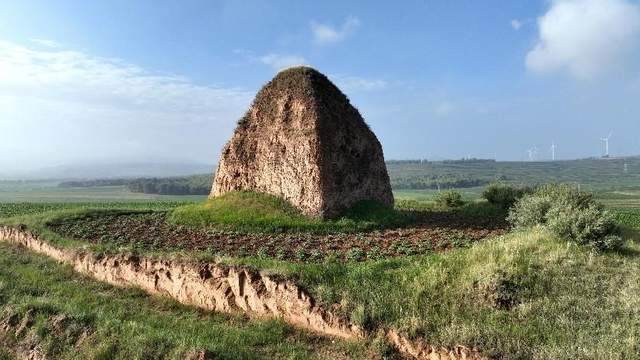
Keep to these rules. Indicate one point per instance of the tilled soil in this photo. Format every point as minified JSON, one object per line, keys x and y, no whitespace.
{"x":433,"y":231}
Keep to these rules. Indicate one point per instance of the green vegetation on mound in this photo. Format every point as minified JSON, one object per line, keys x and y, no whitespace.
{"x":47,"y":305}
{"x":254,"y":212}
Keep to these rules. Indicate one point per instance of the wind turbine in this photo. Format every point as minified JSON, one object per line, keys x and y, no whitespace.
{"x":553,"y":150}
{"x":532,"y":153}
{"x":605,"y":141}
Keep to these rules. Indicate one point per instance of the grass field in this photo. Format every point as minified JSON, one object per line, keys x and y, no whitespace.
{"x":524,"y":295}
{"x":49,"y":192}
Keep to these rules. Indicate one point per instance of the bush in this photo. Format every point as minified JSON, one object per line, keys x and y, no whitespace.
{"x":570,"y":214}
{"x":503,"y":195}
{"x":449,"y":199}
{"x":529,"y":211}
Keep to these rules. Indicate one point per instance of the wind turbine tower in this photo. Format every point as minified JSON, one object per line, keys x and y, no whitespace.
{"x":553,"y":150}
{"x":532,"y":153}
{"x":605,"y":142}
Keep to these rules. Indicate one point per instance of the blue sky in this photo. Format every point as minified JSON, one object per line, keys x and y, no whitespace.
{"x":166,"y":80}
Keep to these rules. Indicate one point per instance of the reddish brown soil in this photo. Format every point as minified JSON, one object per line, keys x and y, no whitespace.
{"x":433,"y":231}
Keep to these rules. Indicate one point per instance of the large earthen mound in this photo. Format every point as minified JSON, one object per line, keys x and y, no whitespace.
{"x":303,"y":141}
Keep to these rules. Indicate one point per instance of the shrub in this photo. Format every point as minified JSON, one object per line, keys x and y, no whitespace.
{"x":529,"y":211}
{"x":570,"y":214}
{"x":567,"y":194}
{"x":504,"y":195}
{"x":449,"y":199}
{"x":587,"y":225}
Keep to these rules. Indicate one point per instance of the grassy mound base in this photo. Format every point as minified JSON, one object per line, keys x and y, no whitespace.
{"x":254,"y":212}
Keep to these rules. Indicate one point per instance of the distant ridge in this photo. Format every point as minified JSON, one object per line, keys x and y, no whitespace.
{"x":112,"y":170}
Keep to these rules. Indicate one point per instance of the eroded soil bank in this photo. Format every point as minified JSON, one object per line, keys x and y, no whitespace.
{"x":224,"y":289}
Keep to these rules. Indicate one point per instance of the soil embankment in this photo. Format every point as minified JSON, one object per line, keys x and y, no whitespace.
{"x":222,"y":288}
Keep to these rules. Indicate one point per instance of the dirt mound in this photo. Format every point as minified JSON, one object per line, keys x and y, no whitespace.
{"x":303,"y":141}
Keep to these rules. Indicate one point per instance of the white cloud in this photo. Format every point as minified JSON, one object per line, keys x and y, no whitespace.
{"x":327,"y":34}
{"x":281,"y":61}
{"x":516,"y":24}
{"x":355,"y":83}
{"x":587,"y":38}
{"x":46,"y":43}
{"x":65,"y":104}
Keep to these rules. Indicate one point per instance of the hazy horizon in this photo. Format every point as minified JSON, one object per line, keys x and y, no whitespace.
{"x":159,"y":82}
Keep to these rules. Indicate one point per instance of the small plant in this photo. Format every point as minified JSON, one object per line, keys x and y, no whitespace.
{"x":316,"y":255}
{"x":242,"y":251}
{"x":355,"y":254}
{"x":375,"y":253}
{"x":449,"y":199}
{"x":301,"y":254}
{"x":263,"y":253}
{"x":504,"y":195}
{"x":281,"y":254}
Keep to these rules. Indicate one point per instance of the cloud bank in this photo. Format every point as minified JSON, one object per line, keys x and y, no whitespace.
{"x":58,"y":105}
{"x":586,"y":38}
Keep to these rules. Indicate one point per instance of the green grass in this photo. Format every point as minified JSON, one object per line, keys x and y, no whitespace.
{"x":127,"y":324}
{"x":254,"y":212}
{"x":628,"y":218}
{"x":427,"y":195}
{"x":8,"y":210}
{"x":49,"y":193}
{"x":527,"y":295}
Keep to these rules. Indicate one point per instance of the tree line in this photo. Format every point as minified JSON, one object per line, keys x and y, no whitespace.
{"x":425,"y":182}
{"x":187,"y":185}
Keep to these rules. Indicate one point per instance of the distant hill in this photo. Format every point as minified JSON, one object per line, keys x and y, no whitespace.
{"x":115,"y":171}
{"x":593,"y":172}
{"x":178,"y":179}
